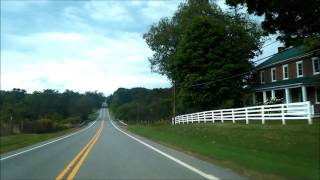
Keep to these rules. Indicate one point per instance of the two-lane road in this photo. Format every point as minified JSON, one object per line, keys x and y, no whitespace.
{"x":104,"y":151}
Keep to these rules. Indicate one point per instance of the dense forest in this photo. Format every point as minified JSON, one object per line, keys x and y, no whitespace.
{"x":141,"y":105}
{"x":45,"y":111}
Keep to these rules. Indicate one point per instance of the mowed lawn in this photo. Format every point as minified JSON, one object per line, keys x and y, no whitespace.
{"x":16,"y":141}
{"x":259,"y":151}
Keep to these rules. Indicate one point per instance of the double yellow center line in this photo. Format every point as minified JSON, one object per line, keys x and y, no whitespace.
{"x":74,"y":165}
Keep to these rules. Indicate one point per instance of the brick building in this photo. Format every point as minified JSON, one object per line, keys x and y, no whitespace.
{"x":292,"y":74}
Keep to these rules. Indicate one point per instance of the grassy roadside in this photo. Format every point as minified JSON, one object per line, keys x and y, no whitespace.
{"x":16,"y":141}
{"x":93,"y":116}
{"x":261,"y":152}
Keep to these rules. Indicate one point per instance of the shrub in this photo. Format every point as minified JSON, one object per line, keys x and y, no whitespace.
{"x":274,"y":100}
{"x":43,"y":125}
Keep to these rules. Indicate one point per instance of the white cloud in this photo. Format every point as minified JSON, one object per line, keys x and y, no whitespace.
{"x":108,"y":11}
{"x":85,"y":50}
{"x":79,"y":75}
{"x":155,"y":10}
{"x":62,"y":37}
{"x":81,"y":62}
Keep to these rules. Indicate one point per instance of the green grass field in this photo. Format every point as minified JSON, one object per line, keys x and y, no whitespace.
{"x":259,"y":151}
{"x":16,"y":141}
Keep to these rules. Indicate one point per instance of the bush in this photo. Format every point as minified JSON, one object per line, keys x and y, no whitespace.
{"x":272,"y":101}
{"x":43,"y":125}
{"x":72,"y":120}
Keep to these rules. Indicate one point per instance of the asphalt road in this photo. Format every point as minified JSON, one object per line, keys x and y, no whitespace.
{"x":102,"y":150}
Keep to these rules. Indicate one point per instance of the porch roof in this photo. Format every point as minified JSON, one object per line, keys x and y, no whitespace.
{"x":312,"y":80}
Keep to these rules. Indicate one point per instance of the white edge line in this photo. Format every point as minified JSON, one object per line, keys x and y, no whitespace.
{"x":123,"y":123}
{"x":64,"y":137}
{"x":201,"y":173}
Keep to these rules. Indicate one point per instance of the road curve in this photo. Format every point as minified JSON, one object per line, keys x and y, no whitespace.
{"x":105,"y":151}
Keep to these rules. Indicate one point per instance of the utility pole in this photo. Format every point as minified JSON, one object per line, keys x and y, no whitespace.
{"x":174,"y":101}
{"x":11,"y":120}
{"x":11,"y":124}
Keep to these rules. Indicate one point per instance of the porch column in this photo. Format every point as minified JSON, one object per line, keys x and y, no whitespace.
{"x":264,"y":96}
{"x":287,"y":95}
{"x":304,"y":93}
{"x":273,"y":94}
{"x":254,"y":98}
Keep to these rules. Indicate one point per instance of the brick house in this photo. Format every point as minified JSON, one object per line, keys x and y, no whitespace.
{"x":292,"y":74}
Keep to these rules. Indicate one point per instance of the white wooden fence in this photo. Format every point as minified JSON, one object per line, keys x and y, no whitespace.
{"x":283,"y":112}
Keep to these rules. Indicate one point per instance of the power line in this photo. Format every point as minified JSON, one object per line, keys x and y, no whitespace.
{"x":264,"y":58}
{"x":269,"y":44}
{"x":233,"y":76}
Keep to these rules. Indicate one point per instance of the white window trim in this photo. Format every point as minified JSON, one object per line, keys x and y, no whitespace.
{"x":313,"y":66}
{"x":297,"y":68}
{"x":264,"y":80}
{"x":285,"y":78}
{"x":275,"y":74}
{"x":316,"y":100}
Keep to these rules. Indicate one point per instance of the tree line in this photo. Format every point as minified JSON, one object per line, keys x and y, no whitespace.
{"x":141,"y":105}
{"x":45,"y":111}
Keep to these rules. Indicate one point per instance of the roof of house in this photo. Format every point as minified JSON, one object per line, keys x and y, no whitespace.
{"x":284,"y":55}
{"x":312,"y":80}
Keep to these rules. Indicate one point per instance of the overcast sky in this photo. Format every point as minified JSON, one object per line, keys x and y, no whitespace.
{"x":82,"y":46}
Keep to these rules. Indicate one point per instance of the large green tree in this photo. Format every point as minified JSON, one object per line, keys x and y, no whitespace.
{"x":293,"y":19}
{"x":201,"y":44}
{"x":163,"y":37}
{"x":213,"y":49}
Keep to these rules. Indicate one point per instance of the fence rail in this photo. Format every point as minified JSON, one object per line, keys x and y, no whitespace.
{"x":283,"y":112}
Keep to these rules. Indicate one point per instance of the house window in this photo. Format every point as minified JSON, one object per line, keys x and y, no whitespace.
{"x":316,"y":65}
{"x":318,"y":95}
{"x":262,"y":77}
{"x":285,"y":72}
{"x":273,"y":74}
{"x":299,"y":69}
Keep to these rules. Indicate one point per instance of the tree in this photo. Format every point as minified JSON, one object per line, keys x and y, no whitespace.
{"x":44,"y":111}
{"x":164,"y":37}
{"x":140,"y":104}
{"x":294,"y":19}
{"x":200,"y":44}
{"x":211,"y":49}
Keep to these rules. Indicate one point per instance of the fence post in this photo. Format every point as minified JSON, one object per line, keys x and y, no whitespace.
{"x":282,"y":113}
{"x":212,"y":113}
{"x":262,"y":114}
{"x":205,"y":117}
{"x":198,"y":116}
{"x":221,"y":116}
{"x":247,"y":119}
{"x":233,"y":116}
{"x":309,"y":112}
